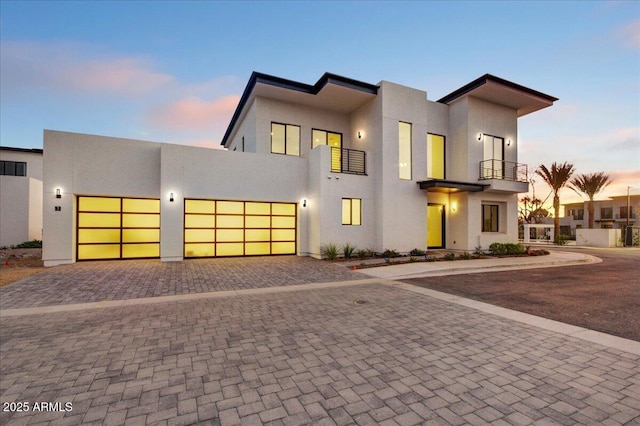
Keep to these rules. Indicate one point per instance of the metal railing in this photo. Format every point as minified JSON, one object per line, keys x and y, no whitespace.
{"x":500,"y":169}
{"x":344,"y":160}
{"x":624,"y":216}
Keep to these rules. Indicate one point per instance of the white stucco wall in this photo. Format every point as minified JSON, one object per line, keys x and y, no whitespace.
{"x":15,"y":192}
{"x":33,"y":160}
{"x":598,"y":237}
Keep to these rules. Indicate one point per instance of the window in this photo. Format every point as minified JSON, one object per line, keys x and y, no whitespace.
{"x":321,"y":137}
{"x":352,"y":211}
{"x":606,"y":213}
{"x":623,"y":212}
{"x":404,"y":150}
{"x":13,"y":168}
{"x":489,"y":218}
{"x":285,"y":139}
{"x":435,"y":156}
{"x":493,"y":154}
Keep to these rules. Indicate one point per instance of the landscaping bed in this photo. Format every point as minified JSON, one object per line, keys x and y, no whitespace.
{"x":18,"y":263}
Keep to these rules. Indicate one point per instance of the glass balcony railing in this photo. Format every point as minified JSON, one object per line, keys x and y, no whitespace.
{"x":351,"y":161}
{"x":500,"y":169}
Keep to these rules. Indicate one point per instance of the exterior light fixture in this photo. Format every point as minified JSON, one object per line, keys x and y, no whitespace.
{"x":171,"y":197}
{"x":480,"y":135}
{"x":360,"y":134}
{"x":58,"y":193}
{"x":304,"y":203}
{"x":509,"y":142}
{"x":454,"y":207}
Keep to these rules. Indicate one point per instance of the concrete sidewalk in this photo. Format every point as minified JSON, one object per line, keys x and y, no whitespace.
{"x":440,"y":268}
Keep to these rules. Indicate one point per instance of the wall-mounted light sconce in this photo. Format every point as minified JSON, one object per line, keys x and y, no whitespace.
{"x":58,"y":193}
{"x":304,"y":203}
{"x":454,"y":207}
{"x":509,"y":142}
{"x":171,"y":197}
{"x":360,"y":134}
{"x":480,"y":135}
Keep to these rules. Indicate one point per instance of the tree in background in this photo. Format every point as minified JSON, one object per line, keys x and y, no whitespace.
{"x":557,"y":178}
{"x":590,"y":184}
{"x":530,"y":210}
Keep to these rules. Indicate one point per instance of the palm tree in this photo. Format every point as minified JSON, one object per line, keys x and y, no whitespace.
{"x":557,"y":178}
{"x":590,"y":184}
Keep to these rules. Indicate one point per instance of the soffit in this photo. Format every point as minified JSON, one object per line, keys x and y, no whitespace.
{"x":503,"y":92}
{"x":331,"y":97}
{"x":449,"y":186}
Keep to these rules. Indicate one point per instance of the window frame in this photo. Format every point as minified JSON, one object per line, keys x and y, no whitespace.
{"x":444,"y":156}
{"x":350,"y":221}
{"x":494,"y":211}
{"x":15,"y":166}
{"x":410,"y":156}
{"x":326,"y":137}
{"x":286,"y":127}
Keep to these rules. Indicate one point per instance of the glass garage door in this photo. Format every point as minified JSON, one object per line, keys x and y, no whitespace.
{"x":214,"y":228}
{"x":118,"y":228}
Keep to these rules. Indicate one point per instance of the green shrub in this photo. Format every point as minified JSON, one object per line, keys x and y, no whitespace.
{"x":466,"y":256}
{"x":478,"y":250}
{"x":29,"y":244}
{"x":449,"y":256}
{"x":362,"y":253}
{"x":417,"y":252}
{"x":329,"y":251}
{"x":561,"y":239}
{"x":348,"y":250}
{"x":390,"y":253}
{"x":431,"y":259}
{"x":506,"y":248}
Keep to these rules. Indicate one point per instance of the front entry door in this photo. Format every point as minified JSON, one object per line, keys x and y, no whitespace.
{"x":435,"y":226}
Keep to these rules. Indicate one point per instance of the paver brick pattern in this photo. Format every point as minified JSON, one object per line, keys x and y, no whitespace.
{"x":84,"y":282}
{"x":310,"y":357}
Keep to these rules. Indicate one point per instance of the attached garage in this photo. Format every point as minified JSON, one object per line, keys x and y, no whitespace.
{"x":215,"y":228}
{"x":118,"y":228}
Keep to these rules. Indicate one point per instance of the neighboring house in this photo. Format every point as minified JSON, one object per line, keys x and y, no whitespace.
{"x":20,"y":195}
{"x":608,"y":214}
{"x":340,"y":161}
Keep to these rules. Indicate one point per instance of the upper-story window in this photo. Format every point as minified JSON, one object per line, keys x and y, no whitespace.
{"x":404,"y":150}
{"x":435,"y":156}
{"x":13,"y":168}
{"x":322,"y":137}
{"x":606,"y":213}
{"x":285,"y":139}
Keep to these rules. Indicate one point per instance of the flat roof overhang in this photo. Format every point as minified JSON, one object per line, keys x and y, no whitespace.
{"x":331,"y":92}
{"x":450,"y":186}
{"x":503,"y":92}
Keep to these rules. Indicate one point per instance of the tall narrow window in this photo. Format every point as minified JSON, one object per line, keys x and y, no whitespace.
{"x":321,"y":137}
{"x":489,"y":218}
{"x":493,"y":156}
{"x":285,"y":139}
{"x":435,"y":156}
{"x":404,"y":150}
{"x":352,"y":211}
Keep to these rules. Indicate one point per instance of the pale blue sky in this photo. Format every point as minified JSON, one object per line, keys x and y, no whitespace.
{"x":173,"y":71}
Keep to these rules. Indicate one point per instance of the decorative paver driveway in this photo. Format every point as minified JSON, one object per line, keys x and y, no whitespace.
{"x":356,"y":354}
{"x":131,"y":279}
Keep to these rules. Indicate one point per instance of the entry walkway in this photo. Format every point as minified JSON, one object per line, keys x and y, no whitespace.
{"x":334,"y":351}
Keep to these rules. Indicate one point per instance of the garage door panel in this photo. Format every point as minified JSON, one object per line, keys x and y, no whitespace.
{"x":240,"y":228}
{"x":98,"y":251}
{"x":117,"y":227}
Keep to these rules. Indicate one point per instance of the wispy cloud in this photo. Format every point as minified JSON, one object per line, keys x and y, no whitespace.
{"x":74,"y":68}
{"x":630,"y":33}
{"x":194,"y":114}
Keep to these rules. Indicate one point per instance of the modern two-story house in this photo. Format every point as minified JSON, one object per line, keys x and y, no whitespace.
{"x":340,"y":161}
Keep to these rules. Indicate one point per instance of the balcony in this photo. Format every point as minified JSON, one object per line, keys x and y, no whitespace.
{"x":350,"y":161}
{"x":506,"y":170}
{"x":504,"y":176}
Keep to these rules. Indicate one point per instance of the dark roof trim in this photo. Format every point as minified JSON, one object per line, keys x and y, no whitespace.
{"x":485,"y":79}
{"x":451,"y":184}
{"x":10,"y":148}
{"x":271,"y":80}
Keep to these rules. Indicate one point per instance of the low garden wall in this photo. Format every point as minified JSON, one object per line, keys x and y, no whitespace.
{"x":598,"y":237}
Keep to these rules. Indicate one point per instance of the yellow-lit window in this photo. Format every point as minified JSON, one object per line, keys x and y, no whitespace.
{"x":435,"y":156}
{"x":140,"y":235}
{"x":258,"y":208}
{"x":321,"y":137}
{"x":352,"y":211}
{"x":140,"y":220}
{"x":199,"y":206}
{"x":140,"y":250}
{"x":404,"y":150}
{"x":98,"y":204}
{"x":283,"y":248}
{"x":199,"y":250}
{"x":285,"y":139}
{"x":98,"y":236}
{"x":283,"y":209}
{"x":229,"y":235}
{"x":283,"y":222}
{"x":229,"y":249}
{"x":257,"y":235}
{"x":283,"y":235}
{"x":98,"y":251}
{"x":257,"y":248}
{"x":132,"y":205}
{"x":199,"y":221}
{"x":257,"y":221}
{"x":230,"y":221}
{"x":199,"y":235}
{"x":99,"y":220}
{"x":230,"y":207}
